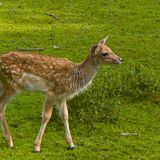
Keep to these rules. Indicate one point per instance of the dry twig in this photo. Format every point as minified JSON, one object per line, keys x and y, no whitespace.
{"x":52,"y":15}
{"x":30,"y":49}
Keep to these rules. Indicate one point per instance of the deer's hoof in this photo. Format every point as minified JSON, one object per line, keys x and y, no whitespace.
{"x":71,"y":147}
{"x":37,"y":149}
{"x":11,"y":145}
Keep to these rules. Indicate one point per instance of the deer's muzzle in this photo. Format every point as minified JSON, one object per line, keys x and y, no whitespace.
{"x":118,"y":60}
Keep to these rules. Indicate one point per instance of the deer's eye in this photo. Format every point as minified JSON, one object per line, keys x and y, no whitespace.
{"x":104,"y":54}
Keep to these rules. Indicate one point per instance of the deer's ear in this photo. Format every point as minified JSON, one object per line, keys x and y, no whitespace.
{"x":106,"y":38}
{"x":98,"y":47}
{"x":103,"y":41}
{"x":94,"y":49}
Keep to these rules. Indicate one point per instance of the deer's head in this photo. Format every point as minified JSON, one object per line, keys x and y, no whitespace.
{"x":103,"y":54}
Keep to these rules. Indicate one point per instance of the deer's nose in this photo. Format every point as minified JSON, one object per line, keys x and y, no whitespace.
{"x":117,"y":61}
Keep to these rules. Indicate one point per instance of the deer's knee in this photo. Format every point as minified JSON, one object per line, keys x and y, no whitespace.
{"x":46,"y":117}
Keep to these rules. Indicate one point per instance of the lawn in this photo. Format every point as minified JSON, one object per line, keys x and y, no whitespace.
{"x":118,"y":116}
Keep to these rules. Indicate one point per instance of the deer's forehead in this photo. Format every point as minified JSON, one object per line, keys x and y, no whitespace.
{"x":106,"y":48}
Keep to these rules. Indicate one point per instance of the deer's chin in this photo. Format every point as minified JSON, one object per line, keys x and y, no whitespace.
{"x":112,"y":61}
{"x":108,"y":62}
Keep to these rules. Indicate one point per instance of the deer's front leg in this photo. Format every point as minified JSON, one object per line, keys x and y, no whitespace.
{"x":47,"y":113}
{"x":64,"y":115}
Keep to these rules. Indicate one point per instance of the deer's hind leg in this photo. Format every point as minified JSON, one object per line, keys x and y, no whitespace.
{"x":8,"y":93}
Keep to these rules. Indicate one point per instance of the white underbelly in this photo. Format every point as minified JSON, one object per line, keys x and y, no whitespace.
{"x":32,"y":82}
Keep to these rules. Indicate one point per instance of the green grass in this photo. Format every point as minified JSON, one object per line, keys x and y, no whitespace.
{"x":131,"y":89}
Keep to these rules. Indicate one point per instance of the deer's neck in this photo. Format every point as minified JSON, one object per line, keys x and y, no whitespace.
{"x":83,"y":74}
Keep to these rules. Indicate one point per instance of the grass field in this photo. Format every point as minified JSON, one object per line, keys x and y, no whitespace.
{"x":122,"y":99}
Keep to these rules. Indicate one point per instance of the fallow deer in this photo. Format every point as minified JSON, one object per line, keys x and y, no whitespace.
{"x":59,"y":78}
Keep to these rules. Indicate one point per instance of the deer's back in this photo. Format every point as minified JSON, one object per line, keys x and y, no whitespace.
{"x":33,"y":71}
